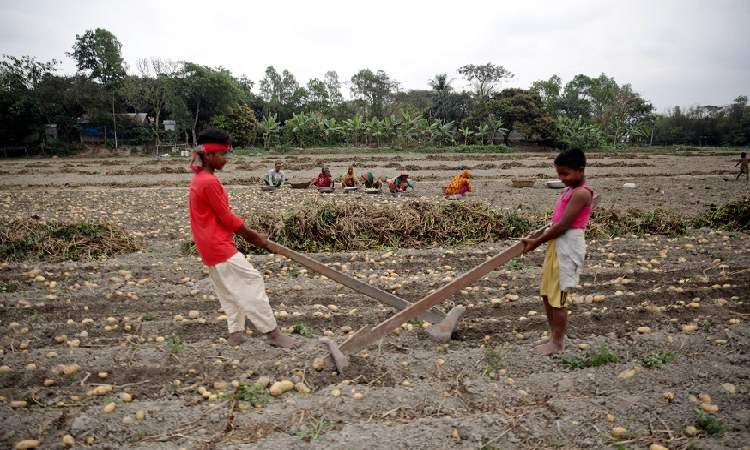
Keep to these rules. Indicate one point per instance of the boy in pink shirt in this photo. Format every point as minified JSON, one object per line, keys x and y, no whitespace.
{"x":240,"y":288}
{"x":566,"y":248}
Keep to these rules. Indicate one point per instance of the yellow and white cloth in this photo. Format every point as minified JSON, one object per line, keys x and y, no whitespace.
{"x":562,"y":267}
{"x":242,"y":293}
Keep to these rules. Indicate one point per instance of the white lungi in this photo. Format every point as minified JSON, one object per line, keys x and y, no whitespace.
{"x":242,"y":292}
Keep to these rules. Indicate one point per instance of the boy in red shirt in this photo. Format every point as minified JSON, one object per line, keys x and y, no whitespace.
{"x":239,"y":286}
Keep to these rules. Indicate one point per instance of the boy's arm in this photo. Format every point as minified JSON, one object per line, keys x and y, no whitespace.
{"x":577,"y":202}
{"x":252,"y":236}
{"x":219,"y":203}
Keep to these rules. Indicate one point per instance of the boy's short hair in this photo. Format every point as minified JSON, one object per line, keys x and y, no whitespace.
{"x":743,"y":154}
{"x":214,"y":136}
{"x":277,"y":162}
{"x":572,"y":157}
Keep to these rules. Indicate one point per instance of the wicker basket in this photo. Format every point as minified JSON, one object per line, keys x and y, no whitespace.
{"x":519,"y":182}
{"x":300,"y":184}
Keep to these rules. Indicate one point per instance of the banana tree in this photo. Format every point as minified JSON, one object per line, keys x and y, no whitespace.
{"x":376,"y":129}
{"x":441,"y":133}
{"x":482,"y":131}
{"x":296,"y":127}
{"x":391,"y":124}
{"x":422,"y":131}
{"x":407,"y":127}
{"x":498,"y":128}
{"x":331,"y":129}
{"x":466,"y":132}
{"x":269,"y":128}
{"x":354,"y":128}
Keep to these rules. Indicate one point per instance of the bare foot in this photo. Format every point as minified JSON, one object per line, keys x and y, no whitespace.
{"x":541,"y":342}
{"x":279,"y":339}
{"x":550,"y":348}
{"x":236,"y":338}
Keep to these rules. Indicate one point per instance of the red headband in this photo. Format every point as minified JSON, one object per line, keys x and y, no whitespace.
{"x":212,"y":147}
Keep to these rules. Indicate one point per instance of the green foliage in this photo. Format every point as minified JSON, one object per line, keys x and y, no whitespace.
{"x":732,"y":216}
{"x":416,"y":321}
{"x":314,"y":430}
{"x":515,"y":264}
{"x":97,"y":53}
{"x":303,"y":330}
{"x":711,"y":424}
{"x":269,"y":128}
{"x":174,"y":343}
{"x":254,"y":393}
{"x":484,"y":77}
{"x":146,"y":316}
{"x":656,"y":359}
{"x":596,"y":358}
{"x":240,"y":123}
{"x":493,"y":357}
{"x":8,"y":287}
{"x":373,"y":90}
{"x":574,"y":133}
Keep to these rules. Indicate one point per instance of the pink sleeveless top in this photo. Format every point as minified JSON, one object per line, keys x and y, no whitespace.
{"x":583,"y":217}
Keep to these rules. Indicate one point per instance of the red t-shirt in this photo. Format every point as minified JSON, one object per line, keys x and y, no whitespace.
{"x":211,"y":219}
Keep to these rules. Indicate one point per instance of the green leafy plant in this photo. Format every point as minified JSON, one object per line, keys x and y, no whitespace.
{"x":254,"y":393}
{"x":515,"y":264}
{"x":175,"y":344}
{"x":711,"y":424}
{"x":603,"y":355}
{"x":416,"y":321}
{"x":146,"y":316}
{"x":493,"y":357}
{"x":314,"y":430}
{"x":657,"y":359}
{"x":7,"y":287}
{"x":303,"y":330}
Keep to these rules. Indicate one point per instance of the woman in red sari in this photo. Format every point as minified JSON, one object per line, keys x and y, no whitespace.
{"x":324,"y":178}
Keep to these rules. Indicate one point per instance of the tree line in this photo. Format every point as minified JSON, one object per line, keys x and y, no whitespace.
{"x":587,"y":112}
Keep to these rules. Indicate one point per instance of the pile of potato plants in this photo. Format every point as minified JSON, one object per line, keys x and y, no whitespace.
{"x":54,"y":241}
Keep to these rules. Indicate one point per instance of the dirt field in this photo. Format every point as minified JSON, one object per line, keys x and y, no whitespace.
{"x":486,"y":389}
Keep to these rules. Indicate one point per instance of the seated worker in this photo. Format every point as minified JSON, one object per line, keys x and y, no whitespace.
{"x":460,"y":184}
{"x":348,"y":179}
{"x":370,"y":181}
{"x":400,"y":183}
{"x":324,"y":178}
{"x":275,"y":176}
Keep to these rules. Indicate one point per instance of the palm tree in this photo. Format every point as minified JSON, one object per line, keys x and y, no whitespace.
{"x":441,"y":83}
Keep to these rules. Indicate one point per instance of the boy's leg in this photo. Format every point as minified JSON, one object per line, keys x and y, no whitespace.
{"x":246,"y":285}
{"x":548,"y":310}
{"x":559,"y":323}
{"x":235,"y":315}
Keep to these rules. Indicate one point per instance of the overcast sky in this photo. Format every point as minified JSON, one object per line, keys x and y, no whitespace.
{"x":673,"y":52}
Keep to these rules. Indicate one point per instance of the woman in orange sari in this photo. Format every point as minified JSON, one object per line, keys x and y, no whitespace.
{"x":460,"y":184}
